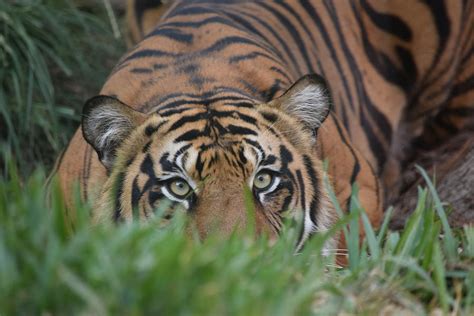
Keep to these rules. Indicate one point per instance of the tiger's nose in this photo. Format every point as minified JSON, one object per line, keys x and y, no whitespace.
{"x":220,"y":214}
{"x":225,"y":212}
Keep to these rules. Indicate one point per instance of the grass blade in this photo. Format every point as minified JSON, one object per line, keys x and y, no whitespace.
{"x":450,"y":244}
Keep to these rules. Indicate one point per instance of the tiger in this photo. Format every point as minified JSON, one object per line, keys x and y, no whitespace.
{"x":218,"y":98}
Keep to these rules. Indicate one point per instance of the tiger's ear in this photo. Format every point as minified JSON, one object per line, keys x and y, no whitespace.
{"x":106,"y":122}
{"x":308,"y":99}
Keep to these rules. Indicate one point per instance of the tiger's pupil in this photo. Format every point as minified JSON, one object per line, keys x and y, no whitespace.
{"x":263,"y":180}
{"x":179,"y":188}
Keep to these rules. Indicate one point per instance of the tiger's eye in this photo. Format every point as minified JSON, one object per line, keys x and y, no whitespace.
{"x":262,"y":180}
{"x":179,"y":188}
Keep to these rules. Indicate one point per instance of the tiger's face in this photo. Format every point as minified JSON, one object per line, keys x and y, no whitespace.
{"x":204,"y":158}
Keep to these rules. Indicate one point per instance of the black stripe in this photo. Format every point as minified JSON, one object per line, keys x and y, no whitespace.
{"x":314,"y":205}
{"x":270,"y":117}
{"x":252,"y":31}
{"x":242,"y":157}
{"x":140,"y":6}
{"x":404,"y":76}
{"x":342,"y":112}
{"x":150,"y":129}
{"x":291,"y":190}
{"x":204,"y":99}
{"x":146,"y":147}
{"x":462,"y":112}
{"x":225,"y":42}
{"x":356,"y":167}
{"x":284,"y":74}
{"x":234,"y":129}
{"x":388,"y":22}
{"x":312,"y":41}
{"x":159,"y":66}
{"x":190,"y":10}
{"x":199,"y":166}
{"x":141,"y":70}
{"x":188,"y":119}
{"x":175,"y":111}
{"x":302,"y":193}
{"x":155,"y":195}
{"x":189,"y":135}
{"x":384,"y":127}
{"x":316,"y":18}
{"x":282,"y":43}
{"x":377,"y":148}
{"x":181,"y":151}
{"x":294,"y":34}
{"x":136,"y":195}
{"x":146,"y":53}
{"x":147,"y":167}
{"x":204,"y":22}
{"x":256,"y":146}
{"x":462,"y":87}
{"x":270,"y":93}
{"x":269,"y":160}
{"x":242,"y":104}
{"x":173,"y":34}
{"x":251,"y":56}
{"x":165,"y":164}
{"x":285,"y":156}
{"x":231,"y":114}
{"x":119,"y":183}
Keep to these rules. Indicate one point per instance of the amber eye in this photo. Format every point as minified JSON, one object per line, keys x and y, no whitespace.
{"x":263,"y":180}
{"x":179,"y":188}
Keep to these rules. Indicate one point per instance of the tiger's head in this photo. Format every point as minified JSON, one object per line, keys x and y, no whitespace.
{"x":201,"y":157}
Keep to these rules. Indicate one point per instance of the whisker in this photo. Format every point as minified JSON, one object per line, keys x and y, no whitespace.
{"x":341,"y":250}
{"x":333,"y":266}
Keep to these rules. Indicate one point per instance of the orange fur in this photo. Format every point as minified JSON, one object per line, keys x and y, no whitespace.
{"x":391,"y":73}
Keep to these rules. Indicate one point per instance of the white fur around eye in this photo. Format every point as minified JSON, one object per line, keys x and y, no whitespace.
{"x":272,"y":188}
{"x":189,"y":163}
{"x":171,"y":197}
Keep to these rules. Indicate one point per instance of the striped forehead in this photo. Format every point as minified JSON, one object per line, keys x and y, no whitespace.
{"x":196,"y":157}
{"x":200,"y":160}
{"x":220,"y":134}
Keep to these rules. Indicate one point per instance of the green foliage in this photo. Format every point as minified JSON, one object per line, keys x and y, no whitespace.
{"x":139,"y":269}
{"x":52,"y":57}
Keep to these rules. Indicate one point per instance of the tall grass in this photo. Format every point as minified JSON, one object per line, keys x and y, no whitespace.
{"x":52,"y":57}
{"x":140,"y":269}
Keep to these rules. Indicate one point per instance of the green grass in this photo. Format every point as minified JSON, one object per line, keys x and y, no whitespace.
{"x":53,"y":57}
{"x":139,"y":269}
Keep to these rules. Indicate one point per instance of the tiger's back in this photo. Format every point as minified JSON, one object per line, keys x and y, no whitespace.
{"x":392,"y":73}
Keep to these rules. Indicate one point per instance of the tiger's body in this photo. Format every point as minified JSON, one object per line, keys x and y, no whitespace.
{"x":209,"y":84}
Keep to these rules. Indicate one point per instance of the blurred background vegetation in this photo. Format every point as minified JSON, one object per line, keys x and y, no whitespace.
{"x":54,"y":54}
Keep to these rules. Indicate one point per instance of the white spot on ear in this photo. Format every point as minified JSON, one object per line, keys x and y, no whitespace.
{"x":310,"y":104}
{"x":113,"y":124}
